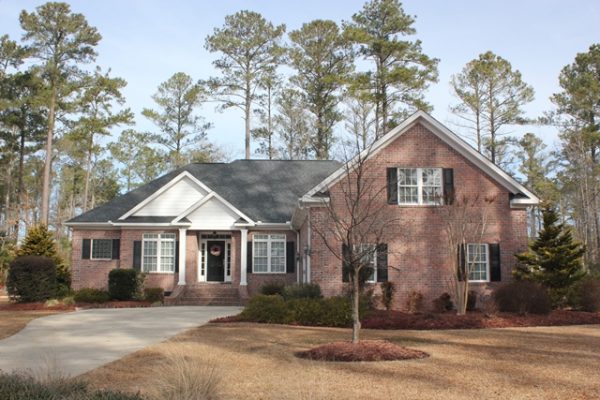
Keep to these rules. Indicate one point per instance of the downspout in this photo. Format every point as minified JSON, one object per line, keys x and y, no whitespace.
{"x":309,"y":244}
{"x":297,"y":257}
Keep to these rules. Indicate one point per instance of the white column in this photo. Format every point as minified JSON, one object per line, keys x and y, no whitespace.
{"x":182,"y":243}
{"x":243,"y":256}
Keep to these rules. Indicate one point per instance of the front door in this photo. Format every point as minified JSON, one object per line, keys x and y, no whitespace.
{"x":215,"y":260}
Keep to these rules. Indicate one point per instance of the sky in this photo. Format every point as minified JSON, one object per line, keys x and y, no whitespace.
{"x":147,"y":41}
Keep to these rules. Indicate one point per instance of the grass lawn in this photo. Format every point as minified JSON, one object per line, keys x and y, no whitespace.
{"x":256,"y":362}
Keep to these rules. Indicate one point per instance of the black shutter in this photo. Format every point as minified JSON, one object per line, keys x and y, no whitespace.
{"x":392,"y":186}
{"x":448,"y":178}
{"x":462,"y":266}
{"x":249,"y":258}
{"x":345,"y":266}
{"x":86,"y":249}
{"x":382,"y":262}
{"x":116,"y":249}
{"x":176,"y":256}
{"x":137,"y":255}
{"x":495,"y":269}
{"x":290,"y":255}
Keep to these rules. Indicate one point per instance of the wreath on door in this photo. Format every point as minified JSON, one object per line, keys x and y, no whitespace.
{"x":215,"y":250}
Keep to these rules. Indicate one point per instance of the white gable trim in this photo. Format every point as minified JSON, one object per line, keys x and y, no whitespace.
{"x":209,"y":196}
{"x":167,"y":186}
{"x":448,"y":137}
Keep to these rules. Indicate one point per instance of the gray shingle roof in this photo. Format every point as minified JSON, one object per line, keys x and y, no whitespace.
{"x":264,"y":190}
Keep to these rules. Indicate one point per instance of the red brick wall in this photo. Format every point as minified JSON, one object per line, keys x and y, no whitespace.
{"x":255,"y":281}
{"x":418,"y":254}
{"x":91,"y":273}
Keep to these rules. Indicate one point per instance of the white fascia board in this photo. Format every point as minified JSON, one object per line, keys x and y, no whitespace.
{"x":523,"y":203}
{"x":184,"y":174}
{"x":150,"y":224}
{"x":448,"y":137}
{"x":307,"y":202}
{"x":89,"y":225}
{"x":286,"y":226}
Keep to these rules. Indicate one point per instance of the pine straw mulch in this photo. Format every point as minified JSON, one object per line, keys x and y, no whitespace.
{"x":475,"y":320}
{"x":365,"y":350}
{"x":40,"y":306}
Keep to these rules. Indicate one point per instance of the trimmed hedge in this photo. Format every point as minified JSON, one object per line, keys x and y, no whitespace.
{"x":32,"y":278}
{"x":91,"y":295}
{"x":331,"y":311}
{"x":272,"y":288}
{"x":154,"y":294}
{"x":523,"y":297}
{"x":302,"y":291}
{"x":24,"y":387}
{"x":123,"y":283}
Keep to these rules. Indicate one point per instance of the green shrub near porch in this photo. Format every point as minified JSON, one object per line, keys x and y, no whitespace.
{"x":123,"y":283}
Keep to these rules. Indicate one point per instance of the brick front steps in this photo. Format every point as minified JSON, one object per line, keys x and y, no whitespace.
{"x":205,"y":294}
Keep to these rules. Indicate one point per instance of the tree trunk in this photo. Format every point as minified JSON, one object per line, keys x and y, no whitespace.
{"x":88,"y":173}
{"x":247,"y":112}
{"x":355,"y":307}
{"x":19,"y":207}
{"x":45,"y":206}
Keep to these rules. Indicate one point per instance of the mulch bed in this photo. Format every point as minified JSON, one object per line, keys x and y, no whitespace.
{"x":78,"y":306}
{"x":35,"y":307}
{"x":475,"y":320}
{"x":365,"y":350}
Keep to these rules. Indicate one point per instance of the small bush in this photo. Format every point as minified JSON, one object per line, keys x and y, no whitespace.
{"x":32,"y":278}
{"x":306,"y":311}
{"x":21,"y":386}
{"x":69,"y":301}
{"x":523,"y":297}
{"x":123,"y":283}
{"x":272,"y":288}
{"x":585,"y":294}
{"x":414,"y":303}
{"x":338,"y":312}
{"x":51,"y":303}
{"x":302,"y":291}
{"x":443,"y":303}
{"x":269,"y":309}
{"x":472,"y":300}
{"x":388,"y":290}
{"x":91,"y":295}
{"x":154,"y":294}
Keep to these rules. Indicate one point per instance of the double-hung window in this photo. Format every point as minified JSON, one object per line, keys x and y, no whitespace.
{"x":158,"y":252}
{"x":478,"y":262}
{"x":420,"y":186}
{"x":102,"y":249}
{"x":369,"y":257}
{"x":268,"y":253}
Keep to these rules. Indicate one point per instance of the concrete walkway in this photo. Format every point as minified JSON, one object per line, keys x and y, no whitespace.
{"x":80,"y":341}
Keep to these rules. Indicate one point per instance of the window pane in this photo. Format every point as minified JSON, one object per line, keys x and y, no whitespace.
{"x":261,"y":257}
{"x":101,"y":248}
{"x":261,"y":237}
{"x":477,"y":260}
{"x":407,"y":176}
{"x":167,"y":255}
{"x":150,"y":256}
{"x":408,"y":195}
{"x":278,"y":256}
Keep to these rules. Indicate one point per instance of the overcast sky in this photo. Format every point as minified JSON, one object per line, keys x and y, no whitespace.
{"x":145,"y":42}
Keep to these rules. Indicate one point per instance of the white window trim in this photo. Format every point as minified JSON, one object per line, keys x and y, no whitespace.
{"x":487,"y":258}
{"x":269,"y":240}
{"x":158,"y":241}
{"x":102,"y":258}
{"x":419,"y":186}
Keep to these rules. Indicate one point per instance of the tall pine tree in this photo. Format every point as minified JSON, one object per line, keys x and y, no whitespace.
{"x":554,"y":259}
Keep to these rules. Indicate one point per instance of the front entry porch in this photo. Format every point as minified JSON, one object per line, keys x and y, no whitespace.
{"x":214,"y":258}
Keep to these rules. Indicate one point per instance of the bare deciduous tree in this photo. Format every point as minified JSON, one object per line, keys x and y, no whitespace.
{"x":465,"y":222}
{"x":357,"y":225}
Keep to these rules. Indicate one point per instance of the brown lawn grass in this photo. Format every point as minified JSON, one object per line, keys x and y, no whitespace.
{"x":257,"y":362}
{"x":12,"y":322}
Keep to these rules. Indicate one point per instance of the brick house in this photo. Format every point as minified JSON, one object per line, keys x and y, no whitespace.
{"x":214,"y":233}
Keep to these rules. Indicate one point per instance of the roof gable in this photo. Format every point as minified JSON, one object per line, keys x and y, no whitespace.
{"x":452,"y":140}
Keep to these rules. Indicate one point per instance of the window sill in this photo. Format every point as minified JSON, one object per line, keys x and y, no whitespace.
{"x":269,"y":273}
{"x":419,"y":205}
{"x":159,"y":272}
{"x":101,"y":259}
{"x":470,"y":281}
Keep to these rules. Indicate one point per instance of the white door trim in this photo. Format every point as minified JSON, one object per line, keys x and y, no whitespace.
{"x":203,"y":257}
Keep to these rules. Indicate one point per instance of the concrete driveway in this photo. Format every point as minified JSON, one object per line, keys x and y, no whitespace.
{"x":80,"y":341}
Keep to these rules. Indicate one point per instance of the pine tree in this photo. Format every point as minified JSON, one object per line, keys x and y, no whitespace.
{"x":554,"y":259}
{"x":40,"y":242}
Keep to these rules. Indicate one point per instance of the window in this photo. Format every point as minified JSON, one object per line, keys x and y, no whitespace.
{"x":268,"y":252}
{"x":478,"y":262}
{"x":101,"y":249}
{"x":370,"y":259}
{"x":420,"y":186}
{"x":158,"y":252}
